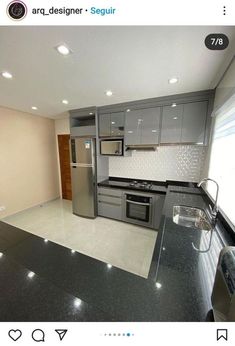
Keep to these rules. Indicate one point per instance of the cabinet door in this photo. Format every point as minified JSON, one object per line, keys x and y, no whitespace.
{"x":111,"y":210}
{"x":104,"y":125}
{"x":158,"y":206}
{"x":133,"y":125}
{"x":171,"y":124}
{"x":117,"y":124}
{"x":194,"y":122}
{"x":150,"y":125}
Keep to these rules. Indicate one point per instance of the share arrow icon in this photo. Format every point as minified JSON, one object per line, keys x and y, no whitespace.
{"x":61,"y":333}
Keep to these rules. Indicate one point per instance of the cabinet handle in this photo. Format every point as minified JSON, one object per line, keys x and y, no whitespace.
{"x":106,"y":195}
{"x":114,"y":204}
{"x":139,"y":203}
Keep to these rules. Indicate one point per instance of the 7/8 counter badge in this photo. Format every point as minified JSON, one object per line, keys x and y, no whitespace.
{"x":17,"y":10}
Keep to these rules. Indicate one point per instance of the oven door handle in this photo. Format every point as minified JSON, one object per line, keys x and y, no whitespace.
{"x":139,"y":203}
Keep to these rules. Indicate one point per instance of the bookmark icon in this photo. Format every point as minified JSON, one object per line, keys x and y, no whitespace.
{"x":61,"y":333}
{"x":222,"y":334}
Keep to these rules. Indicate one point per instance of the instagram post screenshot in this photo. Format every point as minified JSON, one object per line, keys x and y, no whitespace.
{"x":117,"y":172}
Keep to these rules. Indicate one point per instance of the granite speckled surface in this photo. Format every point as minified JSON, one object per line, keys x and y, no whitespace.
{"x":124,"y":183}
{"x":183,"y":276}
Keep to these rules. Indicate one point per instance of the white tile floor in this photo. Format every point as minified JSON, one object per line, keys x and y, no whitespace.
{"x":123,"y":245}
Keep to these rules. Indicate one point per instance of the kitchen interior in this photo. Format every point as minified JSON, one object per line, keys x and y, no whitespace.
{"x":116,"y":203}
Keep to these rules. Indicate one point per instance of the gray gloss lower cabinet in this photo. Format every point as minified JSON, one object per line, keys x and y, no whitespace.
{"x":157,"y":207}
{"x":110,"y":203}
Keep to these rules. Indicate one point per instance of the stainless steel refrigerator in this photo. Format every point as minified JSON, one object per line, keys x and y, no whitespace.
{"x":83,"y":173}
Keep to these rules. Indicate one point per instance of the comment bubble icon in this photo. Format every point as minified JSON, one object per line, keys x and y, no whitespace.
{"x":38,"y":335}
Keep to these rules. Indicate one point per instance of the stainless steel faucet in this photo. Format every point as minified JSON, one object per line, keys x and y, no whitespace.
{"x":213,"y":211}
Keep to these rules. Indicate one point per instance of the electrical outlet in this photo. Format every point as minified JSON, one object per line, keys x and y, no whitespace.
{"x":2,"y":208}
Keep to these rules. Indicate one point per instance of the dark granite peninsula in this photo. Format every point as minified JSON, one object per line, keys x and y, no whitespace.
{"x":75,"y":287}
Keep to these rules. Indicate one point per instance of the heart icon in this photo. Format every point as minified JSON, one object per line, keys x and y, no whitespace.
{"x":15,"y":334}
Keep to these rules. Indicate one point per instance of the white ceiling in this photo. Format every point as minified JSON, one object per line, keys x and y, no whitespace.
{"x":134,"y":62}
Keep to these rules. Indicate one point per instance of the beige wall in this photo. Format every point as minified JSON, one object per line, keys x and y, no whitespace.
{"x":62,"y":127}
{"x":28,"y":164}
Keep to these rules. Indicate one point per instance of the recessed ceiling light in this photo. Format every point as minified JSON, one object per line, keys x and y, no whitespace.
{"x":128,"y":110}
{"x":7,"y":75}
{"x":1,"y":254}
{"x":65,"y":102}
{"x":173,"y":80}
{"x":34,"y":108}
{"x":109,"y":266}
{"x":175,"y":118}
{"x":73,"y":251}
{"x":173,"y":105}
{"x":46,"y":240}
{"x":91,"y":113}
{"x":109,"y":93}
{"x":31,"y":275}
{"x":62,"y":49}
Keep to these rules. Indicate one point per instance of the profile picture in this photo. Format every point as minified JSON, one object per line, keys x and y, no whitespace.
{"x":16,"y":10}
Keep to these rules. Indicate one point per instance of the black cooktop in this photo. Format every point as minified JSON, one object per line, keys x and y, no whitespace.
{"x":141,"y":184}
{"x":135,"y":184}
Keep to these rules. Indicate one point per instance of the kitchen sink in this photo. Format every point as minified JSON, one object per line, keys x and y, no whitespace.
{"x":191,"y":217}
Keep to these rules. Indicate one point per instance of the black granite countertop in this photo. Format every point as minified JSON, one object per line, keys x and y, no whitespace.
{"x":75,"y":287}
{"x":190,"y":273}
{"x":124,"y":183}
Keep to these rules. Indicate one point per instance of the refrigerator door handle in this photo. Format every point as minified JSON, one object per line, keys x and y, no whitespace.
{"x":72,"y":150}
{"x":84,"y":165}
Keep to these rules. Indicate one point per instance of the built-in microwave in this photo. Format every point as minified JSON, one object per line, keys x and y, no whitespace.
{"x":111,"y":147}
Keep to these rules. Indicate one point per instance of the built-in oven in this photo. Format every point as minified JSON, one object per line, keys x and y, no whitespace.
{"x":138,"y":209}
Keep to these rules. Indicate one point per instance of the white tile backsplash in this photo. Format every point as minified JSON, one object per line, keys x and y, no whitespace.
{"x":178,"y":162}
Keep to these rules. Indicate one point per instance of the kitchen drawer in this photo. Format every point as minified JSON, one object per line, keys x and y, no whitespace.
{"x":110,"y":199}
{"x":110,"y":210}
{"x":109,"y":192}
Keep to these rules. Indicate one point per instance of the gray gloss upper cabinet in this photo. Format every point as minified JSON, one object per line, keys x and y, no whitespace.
{"x":150,"y":125}
{"x":185,"y":123}
{"x":111,"y":124}
{"x":142,"y":126}
{"x":117,"y":124}
{"x":172,"y":118}
{"x":194,"y":122}
{"x":104,"y":125}
{"x":133,"y":127}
